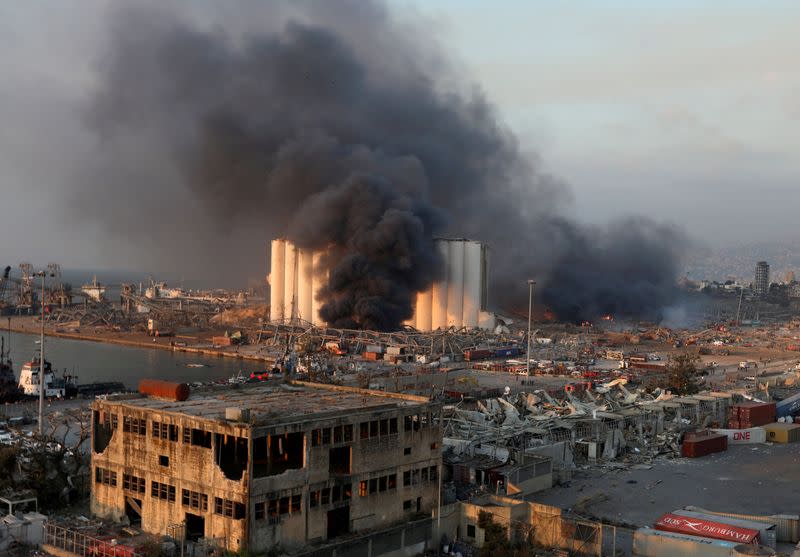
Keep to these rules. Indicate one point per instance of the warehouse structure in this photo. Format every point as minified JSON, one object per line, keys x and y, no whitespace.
{"x":458,"y":300}
{"x":266,"y":465}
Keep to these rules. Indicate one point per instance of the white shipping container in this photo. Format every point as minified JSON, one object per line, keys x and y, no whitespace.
{"x":744,"y":436}
{"x":654,"y":543}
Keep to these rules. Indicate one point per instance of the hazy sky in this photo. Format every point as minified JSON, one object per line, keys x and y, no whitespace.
{"x":684,"y":111}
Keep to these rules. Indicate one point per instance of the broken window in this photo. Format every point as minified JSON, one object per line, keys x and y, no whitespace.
{"x":274,"y":454}
{"x":364,"y":430}
{"x":162,"y":491}
{"x":104,"y":476}
{"x":407,"y":451}
{"x":326,"y":496}
{"x":296,"y":500}
{"x":316,"y":438}
{"x":348,"y":433}
{"x":231,"y":455}
{"x":384,"y":427}
{"x":338,"y":434}
{"x":407,"y":423}
{"x":163,"y":460}
{"x":326,"y":436}
{"x":393,"y":426}
{"x":133,"y":484}
{"x":104,"y":426}
{"x":434,"y":474}
{"x":347,"y":492}
{"x":260,"y":511}
{"x":392,"y":481}
{"x":194,"y":500}
{"x":197,"y":437}
{"x":231,"y":509}
{"x":406,"y":478}
{"x":373,"y":428}
{"x":382,"y":483}
{"x":373,"y":486}
{"x":339,"y":460}
{"x":134,"y":425}
{"x":407,"y":505}
{"x":314,"y":498}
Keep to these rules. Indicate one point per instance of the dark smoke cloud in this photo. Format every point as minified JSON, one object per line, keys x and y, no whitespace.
{"x":345,"y":130}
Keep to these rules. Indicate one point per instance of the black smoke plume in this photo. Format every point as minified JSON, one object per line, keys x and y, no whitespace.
{"x":343,"y":129}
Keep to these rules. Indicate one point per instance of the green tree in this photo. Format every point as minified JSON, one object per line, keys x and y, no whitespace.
{"x":496,"y":541}
{"x":682,"y":375}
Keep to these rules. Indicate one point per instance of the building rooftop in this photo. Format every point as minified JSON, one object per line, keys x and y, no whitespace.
{"x":272,"y":403}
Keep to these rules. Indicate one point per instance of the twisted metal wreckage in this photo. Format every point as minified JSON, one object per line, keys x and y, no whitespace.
{"x":606,"y":424}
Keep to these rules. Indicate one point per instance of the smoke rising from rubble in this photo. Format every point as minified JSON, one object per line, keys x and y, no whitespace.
{"x":345,"y":133}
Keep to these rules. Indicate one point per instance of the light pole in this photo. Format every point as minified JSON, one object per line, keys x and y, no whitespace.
{"x":531,"y":285}
{"x":42,"y":274}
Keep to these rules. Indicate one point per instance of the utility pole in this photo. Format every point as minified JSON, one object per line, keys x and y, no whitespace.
{"x":531,"y":285}
{"x":43,"y":274}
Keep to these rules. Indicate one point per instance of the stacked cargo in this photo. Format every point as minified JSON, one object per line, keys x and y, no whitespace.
{"x":751,"y":414}
{"x":702,"y":443}
{"x":783,"y":433}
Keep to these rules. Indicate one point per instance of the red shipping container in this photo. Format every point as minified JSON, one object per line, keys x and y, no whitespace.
{"x":706,"y":529}
{"x":753,"y":414}
{"x":372,"y":356}
{"x":701,"y":444}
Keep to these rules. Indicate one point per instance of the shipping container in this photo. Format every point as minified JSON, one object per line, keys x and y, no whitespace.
{"x":372,"y":356}
{"x":655,"y":543}
{"x":394,"y":350}
{"x":737,"y":436}
{"x":377,"y":348}
{"x":782,"y":432}
{"x":649,"y":366}
{"x":699,"y":444}
{"x":766,"y":531}
{"x":506,"y":352}
{"x":752,"y":414}
{"x":787,"y":526}
{"x":671,"y":522}
{"x":477,"y":354}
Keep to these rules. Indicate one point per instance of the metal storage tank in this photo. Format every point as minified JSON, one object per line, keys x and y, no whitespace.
{"x":276,"y":280}
{"x":423,"y":310}
{"x":319,"y":280}
{"x":439,"y":293}
{"x":305,"y":284}
{"x":455,"y":283}
{"x":473,"y":255}
{"x":290,"y":283}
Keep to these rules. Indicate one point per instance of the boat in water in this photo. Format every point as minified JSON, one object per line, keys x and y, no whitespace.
{"x":55,"y":387}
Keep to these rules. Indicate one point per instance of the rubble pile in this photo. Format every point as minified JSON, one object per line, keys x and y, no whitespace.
{"x":609,"y":424}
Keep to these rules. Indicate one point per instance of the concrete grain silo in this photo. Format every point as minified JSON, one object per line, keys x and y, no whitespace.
{"x":457,"y":300}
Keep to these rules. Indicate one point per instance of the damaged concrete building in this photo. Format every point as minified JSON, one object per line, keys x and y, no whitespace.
{"x":261,"y":466}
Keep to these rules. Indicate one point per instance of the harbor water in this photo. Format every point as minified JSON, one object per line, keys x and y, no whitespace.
{"x":95,"y":361}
